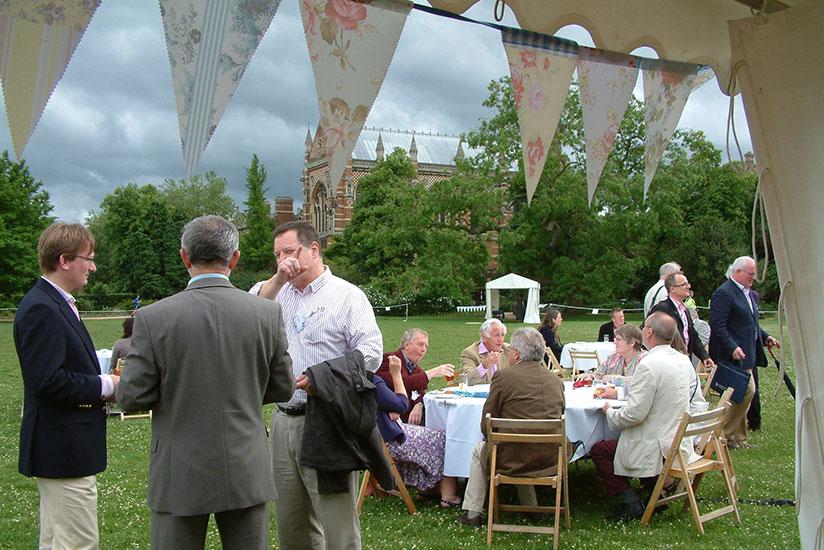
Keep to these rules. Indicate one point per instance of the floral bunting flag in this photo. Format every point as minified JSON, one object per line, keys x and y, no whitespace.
{"x":605,"y":81}
{"x":350,"y":46}
{"x":210,"y":43}
{"x":37,"y":40}
{"x":667,"y":85}
{"x":541,"y":68}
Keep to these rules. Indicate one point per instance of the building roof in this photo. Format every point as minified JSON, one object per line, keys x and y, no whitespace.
{"x":432,"y":148}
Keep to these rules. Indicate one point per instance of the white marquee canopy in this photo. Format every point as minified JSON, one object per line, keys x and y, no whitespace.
{"x":513,"y":281}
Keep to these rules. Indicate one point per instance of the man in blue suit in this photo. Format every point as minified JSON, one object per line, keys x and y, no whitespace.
{"x":737,"y":338}
{"x":63,"y":430}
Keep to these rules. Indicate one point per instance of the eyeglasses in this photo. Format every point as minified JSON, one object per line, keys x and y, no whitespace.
{"x":683,"y":284}
{"x":90,"y":260}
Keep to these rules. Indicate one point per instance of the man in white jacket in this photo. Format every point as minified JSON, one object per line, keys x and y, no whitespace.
{"x":660,"y":396}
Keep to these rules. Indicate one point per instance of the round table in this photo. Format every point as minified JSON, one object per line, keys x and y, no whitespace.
{"x":460,"y":418}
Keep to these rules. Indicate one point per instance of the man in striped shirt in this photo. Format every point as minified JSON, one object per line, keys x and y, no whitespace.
{"x":325,"y":316}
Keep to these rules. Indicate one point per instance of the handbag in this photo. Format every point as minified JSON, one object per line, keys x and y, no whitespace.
{"x":728,"y":375}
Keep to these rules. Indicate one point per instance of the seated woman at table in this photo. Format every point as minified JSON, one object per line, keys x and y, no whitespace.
{"x":418,"y":451}
{"x":549,"y":330}
{"x":623,"y":362}
{"x":414,"y":344}
{"x":120,"y":349}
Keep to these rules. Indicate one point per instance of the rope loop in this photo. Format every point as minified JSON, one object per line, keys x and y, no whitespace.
{"x":498,"y":10}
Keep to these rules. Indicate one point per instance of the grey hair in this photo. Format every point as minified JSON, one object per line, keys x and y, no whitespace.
{"x":739,"y":263}
{"x":662,"y":325}
{"x":669,"y":281}
{"x":529,"y":344}
{"x":409,"y":335}
{"x":486,"y":326}
{"x":667,"y":268}
{"x":210,"y":240}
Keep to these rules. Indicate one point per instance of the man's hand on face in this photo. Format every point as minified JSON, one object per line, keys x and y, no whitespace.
{"x":492,"y":358}
{"x":290,"y":267}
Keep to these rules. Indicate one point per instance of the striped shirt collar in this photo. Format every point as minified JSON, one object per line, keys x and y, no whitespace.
{"x":66,"y":296}
{"x":317,"y":283}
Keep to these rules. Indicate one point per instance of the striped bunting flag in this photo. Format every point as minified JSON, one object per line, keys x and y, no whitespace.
{"x":210,"y":43}
{"x":37,"y":40}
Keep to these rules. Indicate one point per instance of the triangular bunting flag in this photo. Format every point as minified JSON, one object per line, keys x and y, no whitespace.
{"x":541,"y":68}
{"x":350,"y":45}
{"x":667,"y":85}
{"x":37,"y":40}
{"x":210,"y":43}
{"x":605,"y":82}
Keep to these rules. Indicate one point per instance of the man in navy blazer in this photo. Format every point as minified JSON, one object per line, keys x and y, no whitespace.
{"x":678,"y":290}
{"x":63,"y":430}
{"x":737,"y":338}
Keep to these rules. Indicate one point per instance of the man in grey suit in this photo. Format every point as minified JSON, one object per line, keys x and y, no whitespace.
{"x":205,"y":361}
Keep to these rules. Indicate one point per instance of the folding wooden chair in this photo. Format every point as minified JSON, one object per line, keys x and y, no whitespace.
{"x":400,"y":487}
{"x":510,"y":431}
{"x":705,"y":377}
{"x":121,"y":364}
{"x":553,"y":365}
{"x":713,"y":458}
{"x":580,"y":355}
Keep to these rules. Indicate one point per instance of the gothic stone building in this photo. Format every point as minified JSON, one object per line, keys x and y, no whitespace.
{"x":329,"y":207}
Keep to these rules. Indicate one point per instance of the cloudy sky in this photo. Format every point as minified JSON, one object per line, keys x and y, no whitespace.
{"x":112,"y":118}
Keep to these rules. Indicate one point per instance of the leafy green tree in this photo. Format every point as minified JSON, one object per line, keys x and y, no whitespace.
{"x":410,"y":242}
{"x":256,"y":241}
{"x":200,"y":195}
{"x":24,"y":213}
{"x":138,"y":234}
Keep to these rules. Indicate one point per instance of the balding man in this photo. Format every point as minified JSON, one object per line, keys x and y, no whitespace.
{"x":657,"y":292}
{"x":659,"y":396}
{"x":736,"y":338}
{"x":481,"y":360}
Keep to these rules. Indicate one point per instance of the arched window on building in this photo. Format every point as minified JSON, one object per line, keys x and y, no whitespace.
{"x":319,"y":218}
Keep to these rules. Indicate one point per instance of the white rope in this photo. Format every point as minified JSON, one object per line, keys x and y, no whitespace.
{"x":758,"y":206}
{"x":782,"y":352}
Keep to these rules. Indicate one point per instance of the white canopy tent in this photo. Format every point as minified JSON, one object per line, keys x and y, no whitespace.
{"x":513,"y":281}
{"x":769,"y":58}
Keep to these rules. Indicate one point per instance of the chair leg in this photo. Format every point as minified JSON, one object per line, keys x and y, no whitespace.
{"x":566,"y":497}
{"x":696,"y":515}
{"x":653,"y":499}
{"x":559,"y":488}
{"x":362,"y":494}
{"x":493,"y":498}
{"x":401,"y":486}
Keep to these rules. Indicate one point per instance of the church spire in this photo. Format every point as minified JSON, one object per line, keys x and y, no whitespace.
{"x":379,"y":151}
{"x":413,"y":151}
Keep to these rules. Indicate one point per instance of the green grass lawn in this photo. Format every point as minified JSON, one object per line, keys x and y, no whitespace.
{"x":764,"y":472}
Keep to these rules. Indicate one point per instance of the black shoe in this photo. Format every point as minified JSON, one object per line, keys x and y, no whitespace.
{"x":754,"y":427}
{"x":628,"y":511}
{"x":475,"y":523}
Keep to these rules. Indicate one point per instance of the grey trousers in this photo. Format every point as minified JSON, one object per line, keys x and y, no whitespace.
{"x":306,"y":518}
{"x":246,"y":528}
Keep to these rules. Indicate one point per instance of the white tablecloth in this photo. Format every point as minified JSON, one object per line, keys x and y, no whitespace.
{"x":103,"y":357}
{"x":460,"y":418}
{"x":604,"y":350}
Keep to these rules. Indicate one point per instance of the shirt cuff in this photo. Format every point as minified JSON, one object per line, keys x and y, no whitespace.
{"x":106,"y":386}
{"x":256,"y":289}
{"x":481,"y":370}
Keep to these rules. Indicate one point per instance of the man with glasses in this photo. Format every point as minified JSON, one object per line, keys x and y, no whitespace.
{"x":63,"y":430}
{"x":678,"y":288}
{"x":325,"y":317}
{"x":737,"y":338}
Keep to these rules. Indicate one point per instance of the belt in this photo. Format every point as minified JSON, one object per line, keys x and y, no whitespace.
{"x":300,"y":410}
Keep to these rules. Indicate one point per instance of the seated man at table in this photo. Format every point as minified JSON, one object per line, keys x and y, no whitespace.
{"x":414,"y":344}
{"x":525,"y":390}
{"x":484,"y":358}
{"x":660,"y":396}
{"x":606,"y":333}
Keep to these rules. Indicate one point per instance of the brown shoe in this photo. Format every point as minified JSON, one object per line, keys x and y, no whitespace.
{"x":475,"y":523}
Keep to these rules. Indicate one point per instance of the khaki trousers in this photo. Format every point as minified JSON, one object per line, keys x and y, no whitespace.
{"x":306,"y":518}
{"x":735,"y":425}
{"x":478,"y":482}
{"x":68,"y":513}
